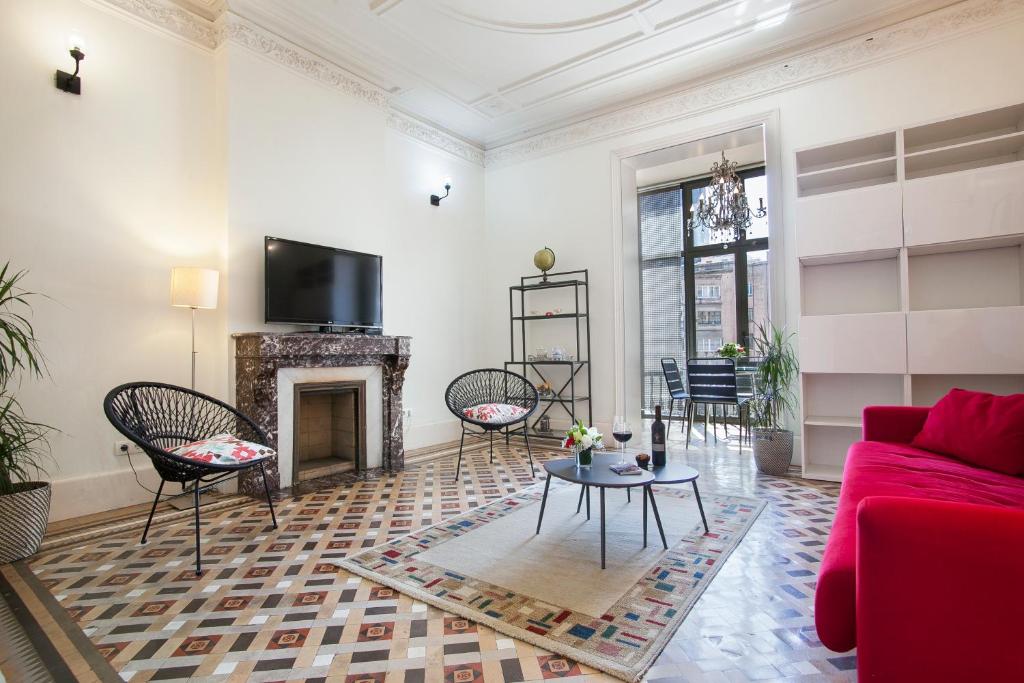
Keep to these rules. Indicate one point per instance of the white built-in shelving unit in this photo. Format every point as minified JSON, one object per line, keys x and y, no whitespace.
{"x":911,"y":250}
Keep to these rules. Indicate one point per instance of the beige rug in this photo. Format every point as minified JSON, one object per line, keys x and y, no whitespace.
{"x":488,"y":565}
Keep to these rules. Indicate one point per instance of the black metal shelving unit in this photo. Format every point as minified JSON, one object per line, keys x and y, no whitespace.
{"x":568,"y":397}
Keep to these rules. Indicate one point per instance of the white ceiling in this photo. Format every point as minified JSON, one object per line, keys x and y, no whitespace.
{"x":493,"y":71}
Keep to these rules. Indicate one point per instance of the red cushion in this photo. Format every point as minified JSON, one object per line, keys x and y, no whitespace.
{"x":874,"y":468}
{"x":983,"y":429}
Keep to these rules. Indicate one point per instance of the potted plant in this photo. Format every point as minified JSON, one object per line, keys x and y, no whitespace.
{"x":582,"y":441}
{"x":773,"y":399}
{"x":24,"y":501}
{"x":732,"y":350}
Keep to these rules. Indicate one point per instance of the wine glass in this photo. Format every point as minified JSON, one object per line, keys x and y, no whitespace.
{"x":622,"y":433}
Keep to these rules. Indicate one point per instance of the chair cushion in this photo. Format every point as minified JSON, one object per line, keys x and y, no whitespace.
{"x":495,"y":413}
{"x":983,"y":429}
{"x":224,"y":449}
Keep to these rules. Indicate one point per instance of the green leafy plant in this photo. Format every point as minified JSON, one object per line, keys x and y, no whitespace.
{"x":23,"y":443}
{"x":774,"y":398}
{"x":732,"y":350}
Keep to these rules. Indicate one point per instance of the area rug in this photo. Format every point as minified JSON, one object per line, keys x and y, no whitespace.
{"x":548,"y":589}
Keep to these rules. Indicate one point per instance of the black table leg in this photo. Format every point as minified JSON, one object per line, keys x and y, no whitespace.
{"x":657,"y":517}
{"x":579,"y":503}
{"x":587,"y":489}
{"x":645,"y":516}
{"x":629,"y":496}
{"x":700,"y":506}
{"x":543,"y":502}
{"x":601,"y":488}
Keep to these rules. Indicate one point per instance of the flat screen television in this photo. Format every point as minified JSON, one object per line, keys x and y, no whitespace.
{"x":309,"y":284}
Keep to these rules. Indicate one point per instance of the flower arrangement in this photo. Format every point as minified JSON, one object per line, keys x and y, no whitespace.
{"x":581,"y":440}
{"x":732,"y":350}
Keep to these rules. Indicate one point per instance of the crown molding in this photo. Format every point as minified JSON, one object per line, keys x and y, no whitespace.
{"x":171,"y":18}
{"x":881,"y":45}
{"x":435,"y":137}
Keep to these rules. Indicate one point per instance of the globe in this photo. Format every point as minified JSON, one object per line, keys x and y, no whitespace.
{"x":544,"y":260}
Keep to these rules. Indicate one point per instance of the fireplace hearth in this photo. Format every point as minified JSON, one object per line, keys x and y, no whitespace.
{"x":329,"y":432}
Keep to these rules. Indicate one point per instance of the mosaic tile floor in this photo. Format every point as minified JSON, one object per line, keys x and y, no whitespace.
{"x":272,"y":606}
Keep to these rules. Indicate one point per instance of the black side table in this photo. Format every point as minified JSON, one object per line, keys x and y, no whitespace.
{"x":676,"y":473}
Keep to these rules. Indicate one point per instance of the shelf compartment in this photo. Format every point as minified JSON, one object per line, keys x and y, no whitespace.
{"x":873,"y":343}
{"x":824,"y":450}
{"x":839,"y":399}
{"x":847,"y":177}
{"x":963,"y":129}
{"x":978,"y":204}
{"x":867,"y":283}
{"x":927,"y":389}
{"x":548,"y":285}
{"x":1002,"y":150}
{"x":966,"y":278}
{"x":851,"y":152}
{"x":867,"y":219}
{"x":965,"y":341}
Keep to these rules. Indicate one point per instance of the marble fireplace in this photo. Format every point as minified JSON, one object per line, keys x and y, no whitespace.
{"x":273,"y":372}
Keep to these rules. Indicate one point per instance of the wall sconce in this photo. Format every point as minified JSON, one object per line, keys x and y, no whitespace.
{"x":72,"y":83}
{"x":436,"y":200}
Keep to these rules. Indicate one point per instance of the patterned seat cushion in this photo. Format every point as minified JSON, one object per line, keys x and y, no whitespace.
{"x":495,"y":413}
{"x":224,"y":449}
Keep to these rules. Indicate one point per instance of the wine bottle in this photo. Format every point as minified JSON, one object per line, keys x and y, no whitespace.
{"x":658,"y":439}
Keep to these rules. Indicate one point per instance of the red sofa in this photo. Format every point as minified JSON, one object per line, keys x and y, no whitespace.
{"x":924,"y":567}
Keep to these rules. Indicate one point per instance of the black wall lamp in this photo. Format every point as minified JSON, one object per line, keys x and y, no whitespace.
{"x":72,"y":83}
{"x":436,"y":200}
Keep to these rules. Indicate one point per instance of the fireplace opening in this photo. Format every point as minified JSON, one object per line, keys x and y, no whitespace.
{"x":330,"y":429}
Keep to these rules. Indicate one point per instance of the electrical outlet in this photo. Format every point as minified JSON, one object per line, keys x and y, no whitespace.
{"x":125,"y":448}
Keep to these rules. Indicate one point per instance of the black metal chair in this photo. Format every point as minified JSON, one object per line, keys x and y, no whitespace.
{"x":712,"y":383}
{"x":676,"y":390}
{"x":161,"y":417}
{"x":491,"y":385}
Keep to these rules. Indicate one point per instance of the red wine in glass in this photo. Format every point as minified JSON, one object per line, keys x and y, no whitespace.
{"x":622,"y":433}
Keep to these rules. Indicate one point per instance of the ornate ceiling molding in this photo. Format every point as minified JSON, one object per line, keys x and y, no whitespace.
{"x":434,"y":137}
{"x":881,"y":45}
{"x":171,"y":18}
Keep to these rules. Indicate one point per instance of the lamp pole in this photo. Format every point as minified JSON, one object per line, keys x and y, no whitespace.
{"x":193,"y":348}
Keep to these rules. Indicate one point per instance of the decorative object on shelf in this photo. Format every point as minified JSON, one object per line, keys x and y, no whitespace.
{"x":558,"y":353}
{"x":582,"y":441}
{"x":24,"y":503}
{"x":194,"y":288}
{"x":544,"y":424}
{"x":732,"y":350}
{"x":723,"y":208}
{"x":773,"y":400}
{"x":72,"y":83}
{"x":435,"y":200}
{"x":643,"y":460}
{"x":544,"y":389}
{"x":545,"y":261}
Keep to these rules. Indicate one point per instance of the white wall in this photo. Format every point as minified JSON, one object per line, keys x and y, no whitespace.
{"x":308,"y":163}
{"x":100,"y":196}
{"x":564,"y":199}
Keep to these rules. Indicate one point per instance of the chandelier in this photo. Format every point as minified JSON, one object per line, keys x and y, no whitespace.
{"x":723,"y":209}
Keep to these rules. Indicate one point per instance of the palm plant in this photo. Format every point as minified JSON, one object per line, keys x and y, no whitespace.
{"x":23,"y":442}
{"x":774,"y":398}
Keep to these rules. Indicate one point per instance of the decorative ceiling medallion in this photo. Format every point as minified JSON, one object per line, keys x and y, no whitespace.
{"x":559,"y":17}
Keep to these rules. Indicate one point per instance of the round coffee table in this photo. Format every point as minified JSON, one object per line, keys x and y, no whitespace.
{"x":677,"y":473}
{"x":600,"y":477}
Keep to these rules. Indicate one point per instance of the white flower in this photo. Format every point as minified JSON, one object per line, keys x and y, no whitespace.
{"x":586,"y":442}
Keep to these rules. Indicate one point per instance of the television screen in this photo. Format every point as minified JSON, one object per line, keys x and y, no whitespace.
{"x":316,"y":285}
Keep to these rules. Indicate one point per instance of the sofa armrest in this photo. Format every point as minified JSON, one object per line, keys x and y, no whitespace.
{"x":895,"y":424}
{"x":940,"y":591}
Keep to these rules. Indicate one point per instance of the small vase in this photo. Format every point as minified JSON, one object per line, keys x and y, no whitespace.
{"x":584,"y":459}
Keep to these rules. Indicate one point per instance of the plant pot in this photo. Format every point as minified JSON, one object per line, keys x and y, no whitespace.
{"x":773,"y":450}
{"x":23,"y":516}
{"x":584,"y":459}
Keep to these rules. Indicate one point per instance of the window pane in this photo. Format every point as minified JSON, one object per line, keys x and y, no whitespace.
{"x":715,"y":302}
{"x":756,"y":189}
{"x":661,"y":282}
{"x":757,"y":289}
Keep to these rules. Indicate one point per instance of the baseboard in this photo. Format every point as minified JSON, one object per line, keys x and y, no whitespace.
{"x":429,"y":434}
{"x":89,"y":494}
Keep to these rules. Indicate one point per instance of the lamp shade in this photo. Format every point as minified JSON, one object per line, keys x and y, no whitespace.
{"x":194,"y":287}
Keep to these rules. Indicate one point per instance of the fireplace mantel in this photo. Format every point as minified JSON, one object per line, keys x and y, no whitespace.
{"x":259,"y":356}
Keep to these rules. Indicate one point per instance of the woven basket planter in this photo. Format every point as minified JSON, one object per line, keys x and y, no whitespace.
{"x":773,"y":451}
{"x":23,"y":516}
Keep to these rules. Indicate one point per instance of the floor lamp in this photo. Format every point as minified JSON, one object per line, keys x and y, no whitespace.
{"x":194,"y":288}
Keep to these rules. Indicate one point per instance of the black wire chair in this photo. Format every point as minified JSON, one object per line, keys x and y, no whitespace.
{"x":161,"y":417}
{"x":491,"y":385}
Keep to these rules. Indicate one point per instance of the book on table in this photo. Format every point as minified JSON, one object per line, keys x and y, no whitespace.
{"x":627,"y":469}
